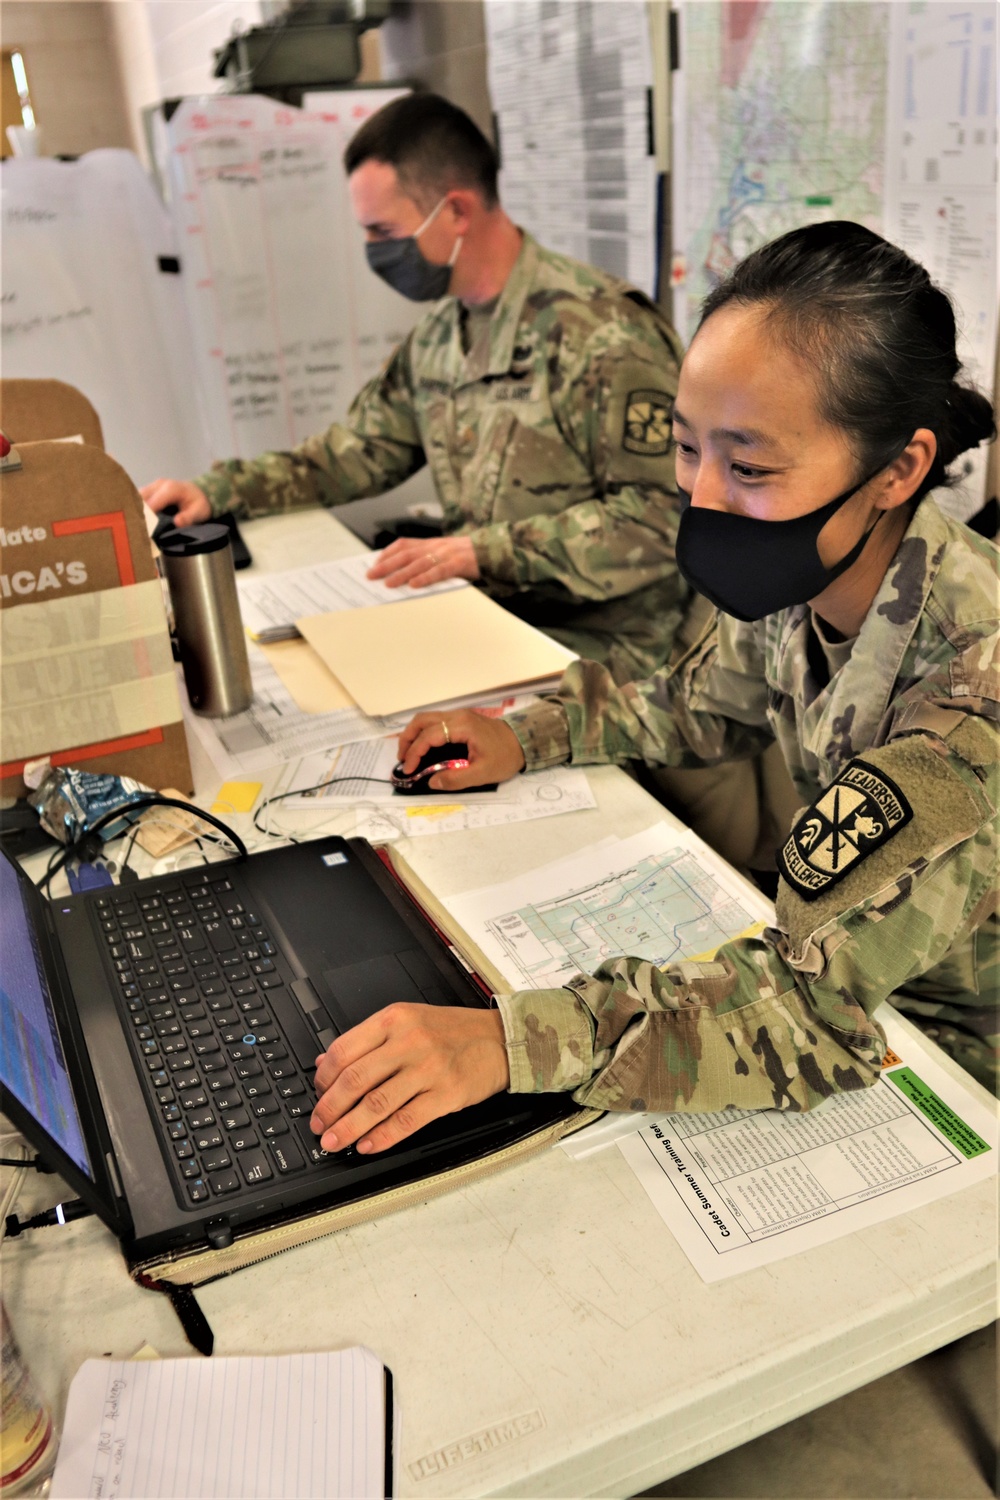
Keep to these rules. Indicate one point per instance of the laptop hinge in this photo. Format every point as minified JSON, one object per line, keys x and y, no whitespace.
{"x":116,"y":1182}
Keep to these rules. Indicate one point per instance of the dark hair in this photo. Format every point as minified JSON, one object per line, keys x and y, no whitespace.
{"x":878,"y":332}
{"x":433,"y":145}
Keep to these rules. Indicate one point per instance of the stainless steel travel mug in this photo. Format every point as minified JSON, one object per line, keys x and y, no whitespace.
{"x":198,"y":561}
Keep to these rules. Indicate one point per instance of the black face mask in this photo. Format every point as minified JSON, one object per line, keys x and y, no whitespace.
{"x":750,"y":568}
{"x":407,"y":270}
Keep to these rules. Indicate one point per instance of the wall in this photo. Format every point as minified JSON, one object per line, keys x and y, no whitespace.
{"x":73,"y":77}
{"x":185,"y":35}
{"x":165,"y":49}
{"x":441,"y":44}
{"x":133,"y":37}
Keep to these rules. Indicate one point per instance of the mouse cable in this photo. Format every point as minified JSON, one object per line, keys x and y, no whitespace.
{"x":139,"y":805}
{"x":303,"y":791}
{"x":126,"y":874}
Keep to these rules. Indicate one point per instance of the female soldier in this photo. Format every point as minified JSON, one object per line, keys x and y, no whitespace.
{"x":817,"y":408}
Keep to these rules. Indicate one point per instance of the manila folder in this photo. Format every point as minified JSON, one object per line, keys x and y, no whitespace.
{"x":396,"y":657}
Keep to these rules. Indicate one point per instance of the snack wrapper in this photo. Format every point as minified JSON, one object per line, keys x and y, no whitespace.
{"x":70,"y":801}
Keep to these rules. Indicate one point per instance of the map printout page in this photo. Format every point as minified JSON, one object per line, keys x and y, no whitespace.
{"x":660,"y":895}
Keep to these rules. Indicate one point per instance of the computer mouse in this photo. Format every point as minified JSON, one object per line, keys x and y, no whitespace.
{"x":449,"y":757}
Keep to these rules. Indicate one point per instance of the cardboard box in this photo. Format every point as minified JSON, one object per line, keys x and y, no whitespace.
{"x":87,"y":673}
{"x":35,"y":411}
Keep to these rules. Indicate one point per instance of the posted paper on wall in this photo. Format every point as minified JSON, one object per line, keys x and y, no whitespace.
{"x":743,"y":1188}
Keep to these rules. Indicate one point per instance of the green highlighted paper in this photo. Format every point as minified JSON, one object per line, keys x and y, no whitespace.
{"x":941,"y":1115}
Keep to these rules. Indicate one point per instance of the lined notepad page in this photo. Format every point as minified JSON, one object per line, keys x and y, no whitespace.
{"x":291,"y":1425}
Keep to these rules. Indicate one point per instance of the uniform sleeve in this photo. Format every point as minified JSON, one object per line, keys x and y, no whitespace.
{"x":784,"y":1020}
{"x":614,"y":407}
{"x":377,"y":447}
{"x":711,"y":707}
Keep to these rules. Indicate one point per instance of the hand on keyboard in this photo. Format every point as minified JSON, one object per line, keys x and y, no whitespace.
{"x":402,"y":1068}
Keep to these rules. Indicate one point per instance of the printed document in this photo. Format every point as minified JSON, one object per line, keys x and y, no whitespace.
{"x":737,"y":1188}
{"x":279,"y":599}
{"x":274,"y":729}
{"x":743,"y":1188}
{"x":360,"y":777}
{"x":660,"y":895}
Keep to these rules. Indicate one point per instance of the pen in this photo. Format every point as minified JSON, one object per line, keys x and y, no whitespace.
{"x":274,"y":633}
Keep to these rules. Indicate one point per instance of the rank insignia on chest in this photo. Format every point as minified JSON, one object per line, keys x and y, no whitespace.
{"x":648,"y":415}
{"x":857,"y":814}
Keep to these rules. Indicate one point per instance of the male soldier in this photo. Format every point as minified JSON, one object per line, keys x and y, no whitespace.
{"x":539,"y":390}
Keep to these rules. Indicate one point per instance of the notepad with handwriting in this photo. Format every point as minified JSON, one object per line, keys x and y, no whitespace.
{"x":276,"y":1426}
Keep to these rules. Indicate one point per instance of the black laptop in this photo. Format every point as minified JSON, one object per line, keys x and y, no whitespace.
{"x":159,"y":1038}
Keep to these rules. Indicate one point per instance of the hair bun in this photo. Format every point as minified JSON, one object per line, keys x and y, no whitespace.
{"x":968,"y":422}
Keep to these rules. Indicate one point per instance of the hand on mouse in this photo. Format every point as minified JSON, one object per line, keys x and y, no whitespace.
{"x":424,"y":561}
{"x":494,"y":751}
{"x":192,"y":502}
{"x":403,"y":1067}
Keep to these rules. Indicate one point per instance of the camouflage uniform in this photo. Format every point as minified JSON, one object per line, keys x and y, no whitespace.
{"x":897,"y":899}
{"x":548,"y":444}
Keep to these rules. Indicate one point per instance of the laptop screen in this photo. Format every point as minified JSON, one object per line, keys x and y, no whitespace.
{"x":32,"y":1062}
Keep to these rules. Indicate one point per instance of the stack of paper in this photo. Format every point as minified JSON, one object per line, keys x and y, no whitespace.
{"x":327,"y":635}
{"x":271,"y":604}
{"x":432,"y":650}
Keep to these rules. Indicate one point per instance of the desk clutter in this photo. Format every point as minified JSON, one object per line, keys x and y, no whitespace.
{"x":339,"y":662}
{"x":326,"y":635}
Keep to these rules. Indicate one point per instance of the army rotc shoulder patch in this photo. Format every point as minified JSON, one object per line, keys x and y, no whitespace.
{"x":648,"y":417}
{"x":857,"y":814}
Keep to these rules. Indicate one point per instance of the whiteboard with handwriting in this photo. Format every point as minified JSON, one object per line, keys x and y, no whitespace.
{"x":287,"y":320}
{"x":91,"y":296}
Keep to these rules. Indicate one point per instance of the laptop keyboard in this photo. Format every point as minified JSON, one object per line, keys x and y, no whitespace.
{"x":225,"y":1053}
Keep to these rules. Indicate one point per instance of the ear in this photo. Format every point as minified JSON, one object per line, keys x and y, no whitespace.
{"x":905,"y":474}
{"x":461,"y":206}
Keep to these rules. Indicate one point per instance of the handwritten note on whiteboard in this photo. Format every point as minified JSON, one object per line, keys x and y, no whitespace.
{"x":282,"y":1425}
{"x":288,"y":322}
{"x":91,"y":296}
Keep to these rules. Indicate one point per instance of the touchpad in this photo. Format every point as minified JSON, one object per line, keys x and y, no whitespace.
{"x":357,"y":991}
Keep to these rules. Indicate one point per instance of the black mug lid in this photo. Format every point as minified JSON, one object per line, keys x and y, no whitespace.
{"x":190,"y":541}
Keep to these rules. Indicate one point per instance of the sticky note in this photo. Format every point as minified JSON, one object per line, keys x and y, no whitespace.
{"x":236,"y":796}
